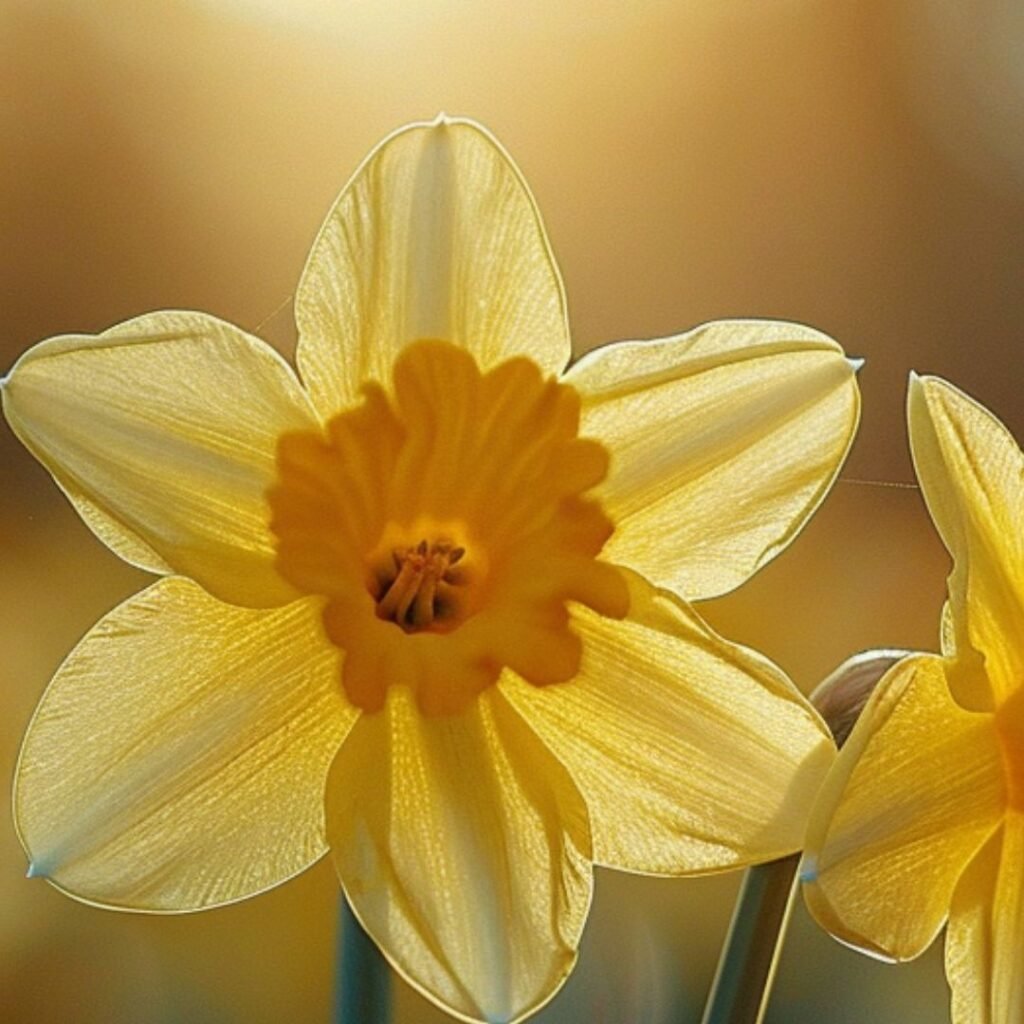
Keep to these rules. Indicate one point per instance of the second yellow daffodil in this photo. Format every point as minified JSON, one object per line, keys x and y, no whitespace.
{"x":922,"y":818}
{"x":425,"y":609}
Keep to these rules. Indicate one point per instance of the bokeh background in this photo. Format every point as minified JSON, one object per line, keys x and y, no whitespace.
{"x":854,"y":164}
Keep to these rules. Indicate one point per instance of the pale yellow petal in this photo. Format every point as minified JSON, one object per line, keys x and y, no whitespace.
{"x":972,"y":474}
{"x":693,"y":754}
{"x":163,"y":431}
{"x":435,"y":236}
{"x":464,"y":848}
{"x":178,"y":758}
{"x":723,"y":442}
{"x":915,"y":791}
{"x":985,"y":937}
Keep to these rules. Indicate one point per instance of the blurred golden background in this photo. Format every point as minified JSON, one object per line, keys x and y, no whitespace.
{"x":854,"y":164}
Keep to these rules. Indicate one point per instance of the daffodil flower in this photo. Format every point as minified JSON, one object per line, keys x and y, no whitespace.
{"x":423,"y":609}
{"x":922,"y":818}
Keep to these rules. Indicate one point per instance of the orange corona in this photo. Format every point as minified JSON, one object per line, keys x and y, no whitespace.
{"x":446,"y":524}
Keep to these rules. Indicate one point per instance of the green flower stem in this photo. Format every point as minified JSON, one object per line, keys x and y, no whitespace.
{"x":363,"y":992}
{"x":743,"y":983}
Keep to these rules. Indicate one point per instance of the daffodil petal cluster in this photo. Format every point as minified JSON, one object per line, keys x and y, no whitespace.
{"x":921,"y":821}
{"x":423,"y":605}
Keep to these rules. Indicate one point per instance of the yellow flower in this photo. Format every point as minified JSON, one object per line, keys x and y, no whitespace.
{"x":922,"y":817}
{"x":420,"y":610}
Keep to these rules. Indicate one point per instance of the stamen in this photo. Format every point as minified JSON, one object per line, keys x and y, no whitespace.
{"x":417,"y":594}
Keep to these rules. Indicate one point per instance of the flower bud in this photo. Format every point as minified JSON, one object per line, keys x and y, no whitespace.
{"x":841,"y":696}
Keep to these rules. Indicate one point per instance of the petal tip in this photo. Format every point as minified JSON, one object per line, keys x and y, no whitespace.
{"x":856,"y":363}
{"x":925,"y":382}
{"x":915,"y":390}
{"x":924,"y":390}
{"x":914,"y":381}
{"x":809,"y":870}
{"x":36,"y":869}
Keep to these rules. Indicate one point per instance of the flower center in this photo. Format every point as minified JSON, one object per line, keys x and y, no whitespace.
{"x":417,"y":587}
{"x":447,"y":526}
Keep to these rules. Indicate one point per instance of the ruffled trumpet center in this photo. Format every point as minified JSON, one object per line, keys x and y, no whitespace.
{"x":447,"y":525}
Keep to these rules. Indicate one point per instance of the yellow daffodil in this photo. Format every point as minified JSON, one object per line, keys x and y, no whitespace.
{"x":922,"y":818}
{"x":422,"y":610}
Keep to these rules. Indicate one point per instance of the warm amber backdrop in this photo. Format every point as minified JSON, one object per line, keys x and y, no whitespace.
{"x":856,"y":164}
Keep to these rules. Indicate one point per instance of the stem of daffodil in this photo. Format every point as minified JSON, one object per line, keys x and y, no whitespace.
{"x":746,"y":970}
{"x":363,"y":993}
{"x":743,"y":982}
